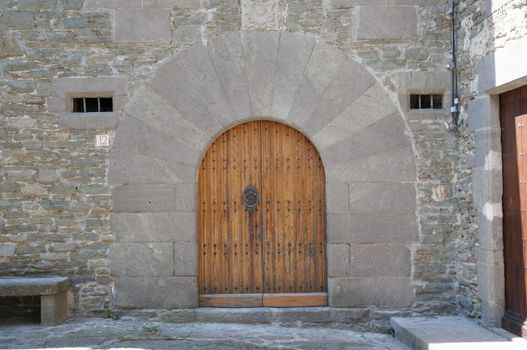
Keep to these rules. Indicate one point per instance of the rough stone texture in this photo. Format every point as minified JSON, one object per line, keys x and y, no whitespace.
{"x":52,"y":292}
{"x":53,"y":309}
{"x":20,"y":286}
{"x":140,"y":259}
{"x":382,"y":292}
{"x":138,"y":333}
{"x":142,"y":26}
{"x":492,"y":35}
{"x":73,"y":202}
{"x":399,"y":22}
{"x":317,"y":100}
{"x":144,"y":198}
{"x":151,"y":292}
{"x":154,"y":227}
{"x":260,"y":14}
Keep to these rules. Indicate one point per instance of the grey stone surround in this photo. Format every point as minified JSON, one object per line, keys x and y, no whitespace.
{"x":291,"y":78}
{"x":497,"y":73}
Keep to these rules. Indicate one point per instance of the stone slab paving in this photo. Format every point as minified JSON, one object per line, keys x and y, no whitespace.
{"x":136,"y":333}
{"x":452,"y":333}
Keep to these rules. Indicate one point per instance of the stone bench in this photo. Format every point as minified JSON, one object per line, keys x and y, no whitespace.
{"x":52,"y":291}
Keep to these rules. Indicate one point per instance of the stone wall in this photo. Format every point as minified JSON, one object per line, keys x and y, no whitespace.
{"x":56,"y":202}
{"x":492,"y":38}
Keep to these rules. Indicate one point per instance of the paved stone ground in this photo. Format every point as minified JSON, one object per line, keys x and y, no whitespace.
{"x":137,"y":333}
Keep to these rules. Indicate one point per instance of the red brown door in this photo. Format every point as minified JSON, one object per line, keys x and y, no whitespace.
{"x":513,"y":115}
{"x":261,"y":217}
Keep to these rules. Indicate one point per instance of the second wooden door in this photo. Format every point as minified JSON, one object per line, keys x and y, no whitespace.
{"x":261,"y":195}
{"x":513,"y":117}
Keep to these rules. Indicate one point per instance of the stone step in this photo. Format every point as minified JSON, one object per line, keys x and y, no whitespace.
{"x":357,"y":319}
{"x":452,"y":333}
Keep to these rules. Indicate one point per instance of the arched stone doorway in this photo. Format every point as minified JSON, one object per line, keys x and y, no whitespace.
{"x":296,"y":80}
{"x":262,"y":219}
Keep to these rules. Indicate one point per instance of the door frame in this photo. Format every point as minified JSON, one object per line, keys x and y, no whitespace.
{"x":282,"y":300}
{"x":484,"y":122}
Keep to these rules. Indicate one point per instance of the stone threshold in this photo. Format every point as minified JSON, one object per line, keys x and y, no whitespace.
{"x":361,"y":319}
{"x":452,"y":333}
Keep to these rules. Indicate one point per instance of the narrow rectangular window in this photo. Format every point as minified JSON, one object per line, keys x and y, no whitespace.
{"x":92,"y":104}
{"x":426,"y":101}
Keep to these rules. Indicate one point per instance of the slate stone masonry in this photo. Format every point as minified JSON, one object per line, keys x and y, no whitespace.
{"x":57,"y":207}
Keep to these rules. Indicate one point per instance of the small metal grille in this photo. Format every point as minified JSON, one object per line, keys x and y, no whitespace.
{"x":426,"y":101}
{"x":92,"y":104}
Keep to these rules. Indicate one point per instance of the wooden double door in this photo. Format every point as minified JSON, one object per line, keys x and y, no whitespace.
{"x":513,"y":118}
{"x":261,"y":218}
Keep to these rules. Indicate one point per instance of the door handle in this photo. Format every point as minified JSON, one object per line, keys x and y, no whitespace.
{"x":250,"y":198}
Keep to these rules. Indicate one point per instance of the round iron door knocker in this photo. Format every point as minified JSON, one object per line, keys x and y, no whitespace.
{"x":250,"y":197}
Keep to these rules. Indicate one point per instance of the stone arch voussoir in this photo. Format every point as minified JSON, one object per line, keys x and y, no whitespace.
{"x":291,"y":78}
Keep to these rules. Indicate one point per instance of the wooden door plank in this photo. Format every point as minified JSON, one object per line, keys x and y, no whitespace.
{"x":231,"y":300}
{"x":295,"y":299}
{"x":230,"y":258}
{"x":272,"y":248}
{"x":294,"y":186}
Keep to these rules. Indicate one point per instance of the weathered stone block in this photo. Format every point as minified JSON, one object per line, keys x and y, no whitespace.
{"x":7,"y":249}
{"x":487,"y":149}
{"x":385,"y":135}
{"x":488,"y":184}
{"x":9,"y":47}
{"x":379,"y":260}
{"x":186,"y":197}
{"x":154,"y":227}
{"x":17,"y":20}
{"x":122,"y":4}
{"x":21,"y":86}
{"x":490,"y":226}
{"x":371,"y":228}
{"x":178,"y":4}
{"x":185,"y":259}
{"x":144,"y":198}
{"x":260,"y":50}
{"x":135,"y":136}
{"x":350,"y":83}
{"x":323,"y":66}
{"x":142,"y":259}
{"x":157,"y":292}
{"x":260,"y":15}
{"x":143,"y":25}
{"x":68,"y":85}
{"x":393,"y":165}
{"x":294,"y":52}
{"x":151,"y":109}
{"x":338,"y":4}
{"x":130,"y":167}
{"x":338,"y":260}
{"x":382,"y":198}
{"x":372,"y":106}
{"x":483,"y":112}
{"x":24,"y":286}
{"x":105,"y":120}
{"x":53,"y":309}
{"x":382,"y":292}
{"x":228,"y":58}
{"x":337,"y":197}
{"x":202,"y":101}
{"x":386,"y":22}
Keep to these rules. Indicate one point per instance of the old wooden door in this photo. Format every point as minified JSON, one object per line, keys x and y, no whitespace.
{"x":513,"y":115}
{"x":261,"y":218}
